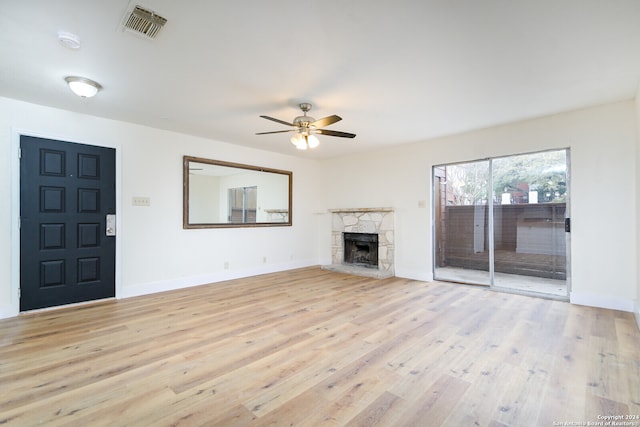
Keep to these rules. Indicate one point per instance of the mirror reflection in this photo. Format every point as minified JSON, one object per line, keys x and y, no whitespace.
{"x":223,"y":194}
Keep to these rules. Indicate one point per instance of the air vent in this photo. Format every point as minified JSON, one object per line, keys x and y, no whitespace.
{"x":144,"y":22}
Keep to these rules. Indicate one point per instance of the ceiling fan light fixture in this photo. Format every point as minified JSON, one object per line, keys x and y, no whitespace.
{"x":83,"y":87}
{"x":312,"y":141}
{"x":296,"y":139}
{"x":305,"y":128}
{"x":302,"y":141}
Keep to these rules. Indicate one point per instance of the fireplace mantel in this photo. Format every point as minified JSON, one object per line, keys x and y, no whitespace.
{"x":363,"y":220}
{"x":348,"y":210}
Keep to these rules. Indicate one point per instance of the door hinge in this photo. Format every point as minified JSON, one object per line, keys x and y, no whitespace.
{"x":19,"y":153}
{"x":567,"y":225}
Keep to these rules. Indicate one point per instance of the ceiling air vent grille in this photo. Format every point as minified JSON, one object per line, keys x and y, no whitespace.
{"x":144,"y":22}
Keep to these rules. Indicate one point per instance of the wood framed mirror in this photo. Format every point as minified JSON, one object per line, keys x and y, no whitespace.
{"x":219,"y":194}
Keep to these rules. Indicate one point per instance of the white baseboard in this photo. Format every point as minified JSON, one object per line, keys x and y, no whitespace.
{"x":187,"y":282}
{"x":637,"y":312}
{"x":602,"y":301}
{"x":421,"y":275}
{"x":8,"y":310}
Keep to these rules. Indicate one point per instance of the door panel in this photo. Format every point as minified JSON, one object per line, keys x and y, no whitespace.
{"x":462,"y":226}
{"x":501,"y":222}
{"x":529,"y":236}
{"x":66,"y":191}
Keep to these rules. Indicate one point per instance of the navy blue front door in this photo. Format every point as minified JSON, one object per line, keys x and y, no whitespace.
{"x":66,"y":192}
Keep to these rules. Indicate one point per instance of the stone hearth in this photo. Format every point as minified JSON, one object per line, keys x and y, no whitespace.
{"x":363,"y":220}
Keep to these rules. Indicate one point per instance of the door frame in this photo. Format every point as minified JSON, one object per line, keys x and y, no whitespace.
{"x":490,"y":212}
{"x":16,"y":133}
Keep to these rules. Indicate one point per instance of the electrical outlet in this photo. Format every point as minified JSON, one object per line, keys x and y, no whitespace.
{"x":264,"y":259}
{"x":226,"y":265}
{"x":141,"y":201}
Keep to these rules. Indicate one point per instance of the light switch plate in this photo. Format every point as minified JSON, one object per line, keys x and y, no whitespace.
{"x":141,"y":201}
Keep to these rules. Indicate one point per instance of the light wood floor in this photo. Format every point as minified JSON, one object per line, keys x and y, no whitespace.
{"x":311,"y":347}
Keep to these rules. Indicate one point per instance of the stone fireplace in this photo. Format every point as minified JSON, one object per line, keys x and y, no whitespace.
{"x":362,"y":241}
{"x":361,"y":249}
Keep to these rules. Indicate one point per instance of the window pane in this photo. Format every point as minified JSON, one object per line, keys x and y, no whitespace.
{"x":530,"y":194}
{"x":243,"y":202}
{"x":461,"y":202}
{"x":251,"y":203}
{"x":235,"y":205}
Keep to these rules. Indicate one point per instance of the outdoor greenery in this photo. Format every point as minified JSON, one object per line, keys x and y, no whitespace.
{"x":516,"y":175}
{"x":468,"y":183}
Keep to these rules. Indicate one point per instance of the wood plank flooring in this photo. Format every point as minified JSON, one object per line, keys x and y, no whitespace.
{"x":310,"y":347}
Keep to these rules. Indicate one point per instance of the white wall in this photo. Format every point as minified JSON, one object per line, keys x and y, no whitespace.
{"x":204,"y":195}
{"x":603,"y":193}
{"x":637,"y":311}
{"x":153,"y":251}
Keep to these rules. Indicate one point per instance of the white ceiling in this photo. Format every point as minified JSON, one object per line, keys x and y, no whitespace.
{"x":396,"y":72}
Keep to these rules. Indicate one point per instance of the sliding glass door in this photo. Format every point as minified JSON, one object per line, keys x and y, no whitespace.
{"x":461,"y":199}
{"x":501,"y":222}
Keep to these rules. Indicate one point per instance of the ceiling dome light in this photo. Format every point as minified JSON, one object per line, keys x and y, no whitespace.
{"x":83,"y":87}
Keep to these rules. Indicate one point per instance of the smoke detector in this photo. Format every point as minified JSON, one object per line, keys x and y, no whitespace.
{"x":69,"y":40}
{"x":144,"y":22}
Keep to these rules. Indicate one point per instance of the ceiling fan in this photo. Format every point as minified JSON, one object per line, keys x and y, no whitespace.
{"x":306,"y":127}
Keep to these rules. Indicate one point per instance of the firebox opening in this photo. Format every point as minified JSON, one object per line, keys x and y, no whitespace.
{"x":361,"y":249}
